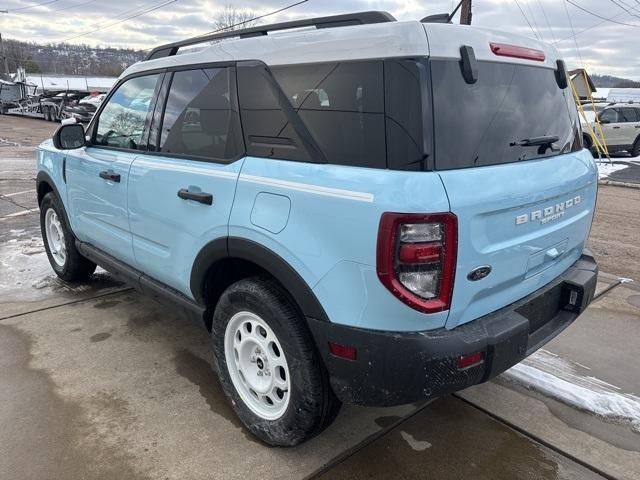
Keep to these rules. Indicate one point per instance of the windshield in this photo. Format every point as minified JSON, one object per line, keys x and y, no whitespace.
{"x":512,"y":113}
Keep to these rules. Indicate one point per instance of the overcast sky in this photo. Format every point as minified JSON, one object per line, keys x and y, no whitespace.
{"x":605,"y":47}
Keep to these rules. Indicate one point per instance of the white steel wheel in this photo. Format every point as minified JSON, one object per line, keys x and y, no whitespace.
{"x":55,"y":237}
{"x":257,"y":365}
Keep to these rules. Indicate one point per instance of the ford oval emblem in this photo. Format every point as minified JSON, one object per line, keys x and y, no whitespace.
{"x":479,"y":273}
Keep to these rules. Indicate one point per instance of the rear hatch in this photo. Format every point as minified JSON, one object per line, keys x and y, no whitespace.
{"x":507,"y":149}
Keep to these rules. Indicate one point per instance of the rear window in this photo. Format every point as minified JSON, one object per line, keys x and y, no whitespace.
{"x":482,"y":123}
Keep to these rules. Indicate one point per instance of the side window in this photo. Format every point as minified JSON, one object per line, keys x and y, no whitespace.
{"x":342,"y":106}
{"x":610,"y":115}
{"x":201,"y":115}
{"x":629,"y":115}
{"x":122,"y":121}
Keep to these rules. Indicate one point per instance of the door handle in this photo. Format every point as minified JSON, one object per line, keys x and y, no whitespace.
{"x":113,"y":177}
{"x":637,"y":126}
{"x":615,"y":128}
{"x":201,"y":197}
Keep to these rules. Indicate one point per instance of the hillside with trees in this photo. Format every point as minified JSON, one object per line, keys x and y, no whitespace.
{"x":64,"y":58}
{"x":609,"y":81}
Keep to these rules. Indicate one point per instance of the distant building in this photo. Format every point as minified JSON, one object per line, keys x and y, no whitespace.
{"x":624,"y":95}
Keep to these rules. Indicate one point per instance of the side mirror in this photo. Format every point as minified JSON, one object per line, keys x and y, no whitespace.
{"x":605,"y":121}
{"x":69,"y":137}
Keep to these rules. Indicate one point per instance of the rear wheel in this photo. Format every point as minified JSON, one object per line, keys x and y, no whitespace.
{"x":268,"y":365}
{"x":59,"y":242}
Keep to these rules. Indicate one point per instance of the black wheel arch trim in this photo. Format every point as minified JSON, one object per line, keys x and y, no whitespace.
{"x":275,"y":265}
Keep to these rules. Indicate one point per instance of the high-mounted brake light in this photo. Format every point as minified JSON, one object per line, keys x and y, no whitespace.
{"x":506,"y":50}
{"x":416,"y":258}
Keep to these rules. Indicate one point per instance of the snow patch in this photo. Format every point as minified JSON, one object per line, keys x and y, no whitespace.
{"x":417,"y":445}
{"x":606,"y":168}
{"x":562,"y":380}
{"x":25,"y":272}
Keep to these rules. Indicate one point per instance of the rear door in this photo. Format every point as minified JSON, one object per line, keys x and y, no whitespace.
{"x":180,"y":196}
{"x":612,"y":123}
{"x":97,"y":175}
{"x":524,"y":207}
{"x":630,"y":126}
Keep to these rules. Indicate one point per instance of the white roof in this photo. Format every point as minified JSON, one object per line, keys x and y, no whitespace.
{"x":358,"y":42}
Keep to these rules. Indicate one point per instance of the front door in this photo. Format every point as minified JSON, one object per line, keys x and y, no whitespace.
{"x":180,"y":198}
{"x":98,"y":175}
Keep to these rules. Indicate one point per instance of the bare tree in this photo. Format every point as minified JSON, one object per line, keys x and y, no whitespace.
{"x":232,"y":18}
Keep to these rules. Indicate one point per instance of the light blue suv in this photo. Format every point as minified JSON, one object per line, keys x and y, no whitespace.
{"x":359,"y":210}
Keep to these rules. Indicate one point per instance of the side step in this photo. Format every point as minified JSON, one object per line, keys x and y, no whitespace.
{"x":143,"y":283}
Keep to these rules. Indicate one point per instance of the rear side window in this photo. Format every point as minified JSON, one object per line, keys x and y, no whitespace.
{"x":342,"y":106}
{"x":201,"y":116}
{"x":363,"y":113}
{"x":629,"y":114}
{"x":122,"y":120}
{"x":485,"y":123}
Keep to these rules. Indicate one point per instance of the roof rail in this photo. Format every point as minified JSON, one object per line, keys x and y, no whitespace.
{"x":349,"y":19}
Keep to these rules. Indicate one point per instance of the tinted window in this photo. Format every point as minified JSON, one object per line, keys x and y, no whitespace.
{"x":483,"y":123}
{"x":629,"y":114}
{"x":267,"y":131}
{"x":342,"y":106}
{"x":122,"y":121}
{"x":201,"y":116}
{"x":610,"y":115}
{"x":408,"y":114}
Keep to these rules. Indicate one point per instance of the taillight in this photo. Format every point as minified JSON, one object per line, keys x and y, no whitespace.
{"x":416,"y":258}
{"x":506,"y":50}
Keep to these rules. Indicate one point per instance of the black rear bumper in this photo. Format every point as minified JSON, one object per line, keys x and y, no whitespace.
{"x":393,"y":368}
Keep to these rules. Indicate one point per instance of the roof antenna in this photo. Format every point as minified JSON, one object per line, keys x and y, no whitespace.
{"x":442,"y":17}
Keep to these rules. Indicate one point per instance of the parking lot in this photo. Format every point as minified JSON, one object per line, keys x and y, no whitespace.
{"x":101,"y":382}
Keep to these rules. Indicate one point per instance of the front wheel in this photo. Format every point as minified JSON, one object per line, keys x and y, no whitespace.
{"x":59,"y":242}
{"x":635,"y":150}
{"x":268,"y":365}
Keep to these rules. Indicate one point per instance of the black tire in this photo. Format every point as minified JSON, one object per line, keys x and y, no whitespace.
{"x":45,"y":112}
{"x":635,"y":150}
{"x":75,"y":268}
{"x":312,"y":404}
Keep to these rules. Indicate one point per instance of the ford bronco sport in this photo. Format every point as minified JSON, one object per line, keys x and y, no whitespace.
{"x":360,"y":210}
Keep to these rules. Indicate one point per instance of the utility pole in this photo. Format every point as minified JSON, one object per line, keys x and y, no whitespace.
{"x":465,"y":12}
{"x":4,"y":56}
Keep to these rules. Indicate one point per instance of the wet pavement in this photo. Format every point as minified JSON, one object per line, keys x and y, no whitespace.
{"x":98,"y":382}
{"x":450,"y":439}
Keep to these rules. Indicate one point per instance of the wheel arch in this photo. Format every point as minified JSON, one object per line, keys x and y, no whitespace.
{"x":226,"y":260}
{"x":44,"y":185}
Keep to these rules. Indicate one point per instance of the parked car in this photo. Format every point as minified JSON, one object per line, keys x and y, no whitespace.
{"x":83,"y":109}
{"x":621,"y":128}
{"x":374,"y":224}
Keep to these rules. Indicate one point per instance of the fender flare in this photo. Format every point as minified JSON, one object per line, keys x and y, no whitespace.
{"x":243,"y":249}
{"x":44,"y":177}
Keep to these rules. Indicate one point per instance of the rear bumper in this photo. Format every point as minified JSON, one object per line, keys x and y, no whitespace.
{"x":394,"y":368}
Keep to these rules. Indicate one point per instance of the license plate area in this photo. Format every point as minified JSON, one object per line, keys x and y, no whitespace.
{"x":543,"y":308}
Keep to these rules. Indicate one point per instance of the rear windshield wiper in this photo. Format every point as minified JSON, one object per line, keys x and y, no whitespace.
{"x":536,"y":141}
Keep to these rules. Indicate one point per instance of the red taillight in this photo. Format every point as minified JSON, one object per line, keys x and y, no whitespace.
{"x":343,"y":351}
{"x":416,"y":258}
{"x":470,"y":360}
{"x":506,"y":50}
